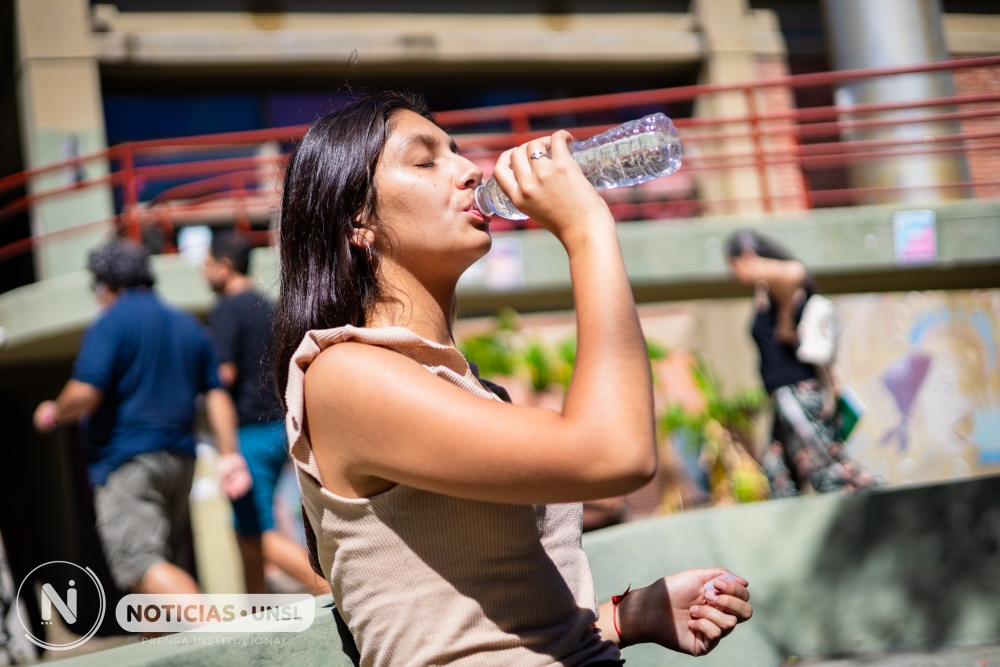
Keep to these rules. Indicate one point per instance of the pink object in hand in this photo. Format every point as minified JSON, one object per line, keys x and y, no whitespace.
{"x":710,"y":592}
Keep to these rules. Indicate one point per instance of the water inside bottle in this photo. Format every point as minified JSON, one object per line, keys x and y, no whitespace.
{"x":629,"y":154}
{"x":630,"y":160}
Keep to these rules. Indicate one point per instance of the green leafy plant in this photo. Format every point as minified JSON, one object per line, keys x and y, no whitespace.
{"x":493,"y":352}
{"x":732,"y":474}
{"x":500,"y":352}
{"x":537,"y":358}
{"x":735,"y":412}
{"x":655,"y":350}
{"x":565,"y":361}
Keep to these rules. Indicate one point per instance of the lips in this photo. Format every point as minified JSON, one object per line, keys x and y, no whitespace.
{"x":474,"y":211}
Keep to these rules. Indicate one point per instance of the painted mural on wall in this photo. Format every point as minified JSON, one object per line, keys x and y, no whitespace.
{"x":926,"y":366}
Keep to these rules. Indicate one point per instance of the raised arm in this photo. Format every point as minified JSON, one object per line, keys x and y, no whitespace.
{"x":785,"y":279}
{"x":376,"y":417}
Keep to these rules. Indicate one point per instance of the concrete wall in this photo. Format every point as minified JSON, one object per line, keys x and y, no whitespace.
{"x":925,"y":364}
{"x":62,"y":116}
{"x":910,"y":568}
{"x":917,"y":567}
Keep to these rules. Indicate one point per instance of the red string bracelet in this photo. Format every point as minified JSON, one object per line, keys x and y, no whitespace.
{"x":615,"y":599}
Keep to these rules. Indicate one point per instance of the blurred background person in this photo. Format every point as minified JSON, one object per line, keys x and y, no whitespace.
{"x":806,"y":443}
{"x":241,"y":321}
{"x":140,"y":368}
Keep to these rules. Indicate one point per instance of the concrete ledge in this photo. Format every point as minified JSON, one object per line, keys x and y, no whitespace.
{"x":899,"y":569}
{"x":849,"y":249}
{"x":904,"y":568}
{"x":43,"y":321}
{"x":234,"y":38}
{"x":319,"y":646}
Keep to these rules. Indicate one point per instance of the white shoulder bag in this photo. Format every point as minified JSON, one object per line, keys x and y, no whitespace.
{"x":818,"y":331}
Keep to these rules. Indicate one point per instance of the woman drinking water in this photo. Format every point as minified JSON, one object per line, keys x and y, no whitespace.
{"x":446,"y":520}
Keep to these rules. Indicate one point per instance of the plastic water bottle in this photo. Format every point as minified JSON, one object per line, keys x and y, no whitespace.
{"x":633,"y":153}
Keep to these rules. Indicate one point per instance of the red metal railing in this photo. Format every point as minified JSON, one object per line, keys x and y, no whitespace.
{"x":774,"y":141}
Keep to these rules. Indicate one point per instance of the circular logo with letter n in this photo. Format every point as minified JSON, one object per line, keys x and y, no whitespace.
{"x":69,"y":594}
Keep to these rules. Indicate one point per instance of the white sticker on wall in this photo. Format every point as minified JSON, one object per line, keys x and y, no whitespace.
{"x":915,"y":235}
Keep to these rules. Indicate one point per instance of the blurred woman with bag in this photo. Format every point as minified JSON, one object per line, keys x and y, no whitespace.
{"x":796,"y":331}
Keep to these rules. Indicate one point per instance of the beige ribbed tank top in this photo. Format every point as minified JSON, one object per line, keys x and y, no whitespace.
{"x":427,"y":579}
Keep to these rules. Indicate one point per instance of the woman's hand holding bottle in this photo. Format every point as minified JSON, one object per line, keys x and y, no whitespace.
{"x":551,"y":188}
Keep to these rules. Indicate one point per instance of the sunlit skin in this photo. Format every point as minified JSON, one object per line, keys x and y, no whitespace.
{"x":432,"y":230}
{"x":376,"y":418}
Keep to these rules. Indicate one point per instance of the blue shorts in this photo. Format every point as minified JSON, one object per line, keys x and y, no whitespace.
{"x":264,"y":447}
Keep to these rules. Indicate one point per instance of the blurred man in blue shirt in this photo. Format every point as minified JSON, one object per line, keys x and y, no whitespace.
{"x":140,"y":368}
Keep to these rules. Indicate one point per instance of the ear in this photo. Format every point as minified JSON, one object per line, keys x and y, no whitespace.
{"x":362,"y":237}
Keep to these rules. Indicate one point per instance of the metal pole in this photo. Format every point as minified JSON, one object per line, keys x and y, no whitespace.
{"x":758,"y":149}
{"x":883,"y":33}
{"x":520,"y":127}
{"x":130,"y":196}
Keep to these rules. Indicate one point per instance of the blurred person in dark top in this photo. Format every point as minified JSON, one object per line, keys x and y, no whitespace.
{"x":806,"y":443}
{"x":141,"y":366}
{"x":241,"y":322}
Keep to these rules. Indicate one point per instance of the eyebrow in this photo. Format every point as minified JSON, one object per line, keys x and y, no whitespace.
{"x":430,"y":142}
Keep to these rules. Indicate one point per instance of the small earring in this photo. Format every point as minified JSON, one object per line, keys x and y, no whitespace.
{"x":368,"y":249}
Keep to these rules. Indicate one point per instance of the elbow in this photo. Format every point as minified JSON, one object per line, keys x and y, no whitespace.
{"x":641,"y":469}
{"x":638,"y":452}
{"x":649,"y":467}
{"x":626,"y":465}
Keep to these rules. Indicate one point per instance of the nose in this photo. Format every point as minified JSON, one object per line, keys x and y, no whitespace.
{"x":470,"y":175}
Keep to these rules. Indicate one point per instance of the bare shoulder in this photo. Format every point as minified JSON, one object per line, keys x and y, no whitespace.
{"x":348,"y":369}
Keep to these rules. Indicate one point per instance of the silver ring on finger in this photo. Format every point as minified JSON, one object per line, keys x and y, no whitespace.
{"x":536,"y":155}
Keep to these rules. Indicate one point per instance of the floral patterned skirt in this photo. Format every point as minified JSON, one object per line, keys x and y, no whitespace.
{"x":806,"y":445}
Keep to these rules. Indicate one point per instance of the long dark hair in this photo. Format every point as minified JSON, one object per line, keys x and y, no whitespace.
{"x":759,"y":244}
{"x":326,"y":281}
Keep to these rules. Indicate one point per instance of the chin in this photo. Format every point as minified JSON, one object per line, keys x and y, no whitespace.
{"x":487,"y":241}
{"x":472,"y":253}
{"x":475,"y":238}
{"x":482,"y":249}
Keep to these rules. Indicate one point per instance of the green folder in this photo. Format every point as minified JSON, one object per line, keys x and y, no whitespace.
{"x":850,"y":410}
